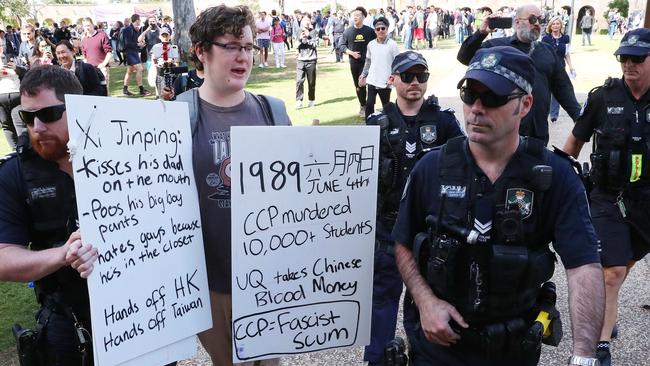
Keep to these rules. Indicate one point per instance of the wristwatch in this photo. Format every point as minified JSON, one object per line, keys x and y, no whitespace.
{"x":583,"y":361}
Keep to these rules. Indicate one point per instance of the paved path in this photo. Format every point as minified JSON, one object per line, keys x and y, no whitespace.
{"x":632,"y":348}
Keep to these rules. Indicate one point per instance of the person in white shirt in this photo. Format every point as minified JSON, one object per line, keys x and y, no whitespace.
{"x":164,"y":54}
{"x":376,"y":71}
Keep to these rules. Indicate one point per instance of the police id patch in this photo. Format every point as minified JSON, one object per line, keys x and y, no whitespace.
{"x":43,"y":192}
{"x":615,"y":110}
{"x":452,"y":191}
{"x":523,"y":198}
{"x":428,"y":134}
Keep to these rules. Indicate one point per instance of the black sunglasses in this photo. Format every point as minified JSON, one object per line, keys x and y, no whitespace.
{"x":635,"y":59}
{"x":532,"y":19}
{"x":46,"y":115}
{"x":407,"y":77}
{"x":488,"y":98}
{"x":380,"y":29}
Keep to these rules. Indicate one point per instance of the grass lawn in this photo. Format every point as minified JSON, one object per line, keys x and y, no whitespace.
{"x":336,"y":103}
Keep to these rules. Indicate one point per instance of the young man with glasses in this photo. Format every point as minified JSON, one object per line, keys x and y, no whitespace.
{"x":223,"y":41}
{"x":550,"y":74}
{"x":616,"y":114}
{"x":409,"y":127}
{"x":376,"y":70}
{"x":474,"y":226}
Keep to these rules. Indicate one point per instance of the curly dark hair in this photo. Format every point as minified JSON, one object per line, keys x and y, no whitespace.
{"x":220,"y":20}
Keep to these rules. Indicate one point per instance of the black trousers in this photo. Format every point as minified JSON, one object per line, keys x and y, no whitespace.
{"x":384,"y":96}
{"x":305,"y":69}
{"x":425,"y":353}
{"x":9,"y":101}
{"x":356,"y":69}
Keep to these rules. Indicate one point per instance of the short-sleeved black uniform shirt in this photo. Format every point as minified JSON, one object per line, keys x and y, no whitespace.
{"x":565,"y":219}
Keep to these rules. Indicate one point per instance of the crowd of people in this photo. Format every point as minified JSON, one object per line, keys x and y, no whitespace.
{"x":472,"y":303}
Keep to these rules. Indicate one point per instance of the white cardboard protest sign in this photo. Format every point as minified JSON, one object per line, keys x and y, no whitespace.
{"x":303,"y":234}
{"x":138,"y":204}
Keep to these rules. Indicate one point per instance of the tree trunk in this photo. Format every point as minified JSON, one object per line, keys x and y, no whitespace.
{"x":184,"y":16}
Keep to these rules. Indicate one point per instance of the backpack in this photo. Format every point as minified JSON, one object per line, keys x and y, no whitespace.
{"x":275,"y":106}
{"x":121,"y":42}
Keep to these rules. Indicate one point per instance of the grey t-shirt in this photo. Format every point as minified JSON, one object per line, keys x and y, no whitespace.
{"x":151,"y":39}
{"x":211,"y":158}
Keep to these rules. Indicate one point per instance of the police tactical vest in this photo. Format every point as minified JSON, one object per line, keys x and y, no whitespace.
{"x":621,"y":148}
{"x":395,"y":165}
{"x":52,"y":209}
{"x":499,"y":277}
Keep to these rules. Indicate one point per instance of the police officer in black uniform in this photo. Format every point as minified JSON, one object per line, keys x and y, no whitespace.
{"x":37,"y":208}
{"x":409,"y":127}
{"x":618,"y":115}
{"x":473,"y":229}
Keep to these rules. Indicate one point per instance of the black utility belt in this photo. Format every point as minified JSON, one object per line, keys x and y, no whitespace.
{"x":386,"y":246}
{"x":497,"y":340}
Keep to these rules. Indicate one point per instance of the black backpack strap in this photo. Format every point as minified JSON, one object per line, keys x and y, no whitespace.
{"x":452,"y":155}
{"x":277,"y":110}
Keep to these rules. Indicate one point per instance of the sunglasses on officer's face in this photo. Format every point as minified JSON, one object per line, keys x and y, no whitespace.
{"x":46,"y":115}
{"x":380,"y":29}
{"x":532,"y":19}
{"x":407,"y":77}
{"x":488,"y":98}
{"x":635,"y":59}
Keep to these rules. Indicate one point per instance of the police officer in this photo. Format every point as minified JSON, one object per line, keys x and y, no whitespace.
{"x":37,"y":206}
{"x":486,"y":208}
{"x":618,"y":115}
{"x":409,"y":127}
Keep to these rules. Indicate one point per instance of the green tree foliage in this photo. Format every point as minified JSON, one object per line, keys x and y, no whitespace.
{"x":13,"y":10}
{"x":623,"y":7}
{"x":328,"y":7}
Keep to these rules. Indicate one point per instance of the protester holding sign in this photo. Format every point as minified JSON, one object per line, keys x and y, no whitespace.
{"x":42,"y":171}
{"x":222,"y":38}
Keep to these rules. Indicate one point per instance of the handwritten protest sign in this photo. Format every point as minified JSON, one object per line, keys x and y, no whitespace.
{"x":138,"y":204}
{"x":303,"y":227}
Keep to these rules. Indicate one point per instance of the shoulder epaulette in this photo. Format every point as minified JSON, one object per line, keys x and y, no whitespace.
{"x":4,"y":159}
{"x":432,"y":100}
{"x":573,"y":161}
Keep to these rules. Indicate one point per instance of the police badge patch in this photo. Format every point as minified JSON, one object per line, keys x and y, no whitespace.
{"x":428,"y":134}
{"x":490,"y":60}
{"x":523,"y":198}
{"x":647,"y":115}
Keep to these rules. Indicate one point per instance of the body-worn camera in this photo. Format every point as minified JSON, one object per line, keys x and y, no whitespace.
{"x":395,"y":353}
{"x":170,"y":72}
{"x":27,"y":346}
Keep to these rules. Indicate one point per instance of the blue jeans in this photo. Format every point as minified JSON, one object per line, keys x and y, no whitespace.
{"x":459,"y":33}
{"x":611,"y":30}
{"x":554,"y":111}
{"x":408,"y":39}
{"x":586,"y":35}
